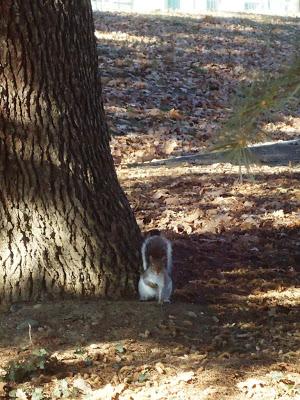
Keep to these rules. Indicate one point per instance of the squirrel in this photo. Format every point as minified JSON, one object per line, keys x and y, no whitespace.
{"x":156,"y":282}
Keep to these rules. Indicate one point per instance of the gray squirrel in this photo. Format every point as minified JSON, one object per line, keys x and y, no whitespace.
{"x":156,"y":282}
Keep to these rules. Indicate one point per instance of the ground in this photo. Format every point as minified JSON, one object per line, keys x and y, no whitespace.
{"x":232,"y":330}
{"x":168,"y":82}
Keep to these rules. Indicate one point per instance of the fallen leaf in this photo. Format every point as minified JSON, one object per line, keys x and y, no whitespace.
{"x":175,"y":114}
{"x":184,"y":377}
{"x":160,"y":193}
{"x":160,"y":368}
{"x":108,"y":392}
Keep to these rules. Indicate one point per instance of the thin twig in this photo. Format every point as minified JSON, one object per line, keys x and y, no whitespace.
{"x":29,"y":334}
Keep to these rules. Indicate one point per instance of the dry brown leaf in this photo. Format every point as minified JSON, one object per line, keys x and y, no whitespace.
{"x":113,"y":82}
{"x":172,"y":201}
{"x":108,"y":392}
{"x":193,"y":215}
{"x":184,"y":377}
{"x":154,"y":112}
{"x":175,"y":114}
{"x":170,"y":146}
{"x":187,"y":322}
{"x":82,"y":385}
{"x":160,"y":368}
{"x":249,"y":223}
{"x":224,"y":355}
{"x":139,"y":85}
{"x":160,"y":193}
{"x":121,"y":63}
{"x":2,"y":388}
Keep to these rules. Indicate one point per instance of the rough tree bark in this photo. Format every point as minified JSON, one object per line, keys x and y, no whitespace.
{"x":66,"y":227}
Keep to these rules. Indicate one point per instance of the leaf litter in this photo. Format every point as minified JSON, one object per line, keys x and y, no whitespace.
{"x":232,"y":331}
{"x":168,"y":81}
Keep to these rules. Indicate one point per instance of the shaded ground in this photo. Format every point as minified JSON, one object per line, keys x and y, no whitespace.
{"x":233,"y":329}
{"x":275,"y":153}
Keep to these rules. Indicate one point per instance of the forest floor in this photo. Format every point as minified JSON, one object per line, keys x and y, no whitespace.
{"x":168,"y":82}
{"x":232,"y":331}
{"x":233,"y":328}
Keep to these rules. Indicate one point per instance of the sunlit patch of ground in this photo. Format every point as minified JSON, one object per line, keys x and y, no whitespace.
{"x":284,"y":297}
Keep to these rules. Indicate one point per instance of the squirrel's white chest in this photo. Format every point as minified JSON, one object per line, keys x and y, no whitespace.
{"x":150,"y":288}
{"x":155,"y":287}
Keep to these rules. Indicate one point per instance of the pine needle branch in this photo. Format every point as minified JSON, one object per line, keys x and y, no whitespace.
{"x":253,"y":107}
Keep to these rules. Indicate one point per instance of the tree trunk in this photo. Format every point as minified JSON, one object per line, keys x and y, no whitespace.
{"x":66,"y":225}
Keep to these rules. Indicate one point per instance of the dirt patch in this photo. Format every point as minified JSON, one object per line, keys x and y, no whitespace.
{"x":148,"y":351}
